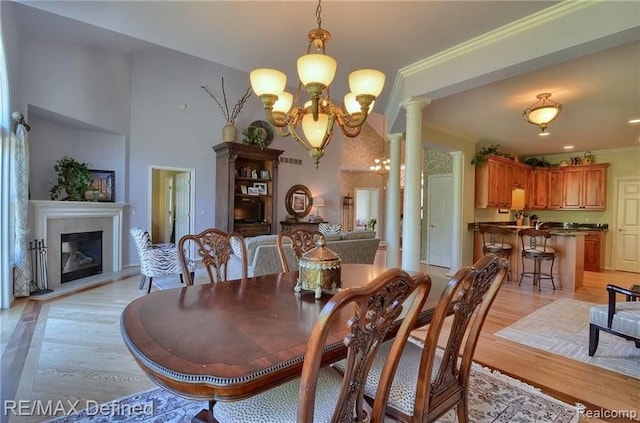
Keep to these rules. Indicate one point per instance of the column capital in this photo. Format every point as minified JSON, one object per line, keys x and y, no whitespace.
{"x":395,"y":137}
{"x":415,"y":103}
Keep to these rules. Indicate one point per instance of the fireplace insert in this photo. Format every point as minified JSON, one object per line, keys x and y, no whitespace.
{"x":81,"y":255}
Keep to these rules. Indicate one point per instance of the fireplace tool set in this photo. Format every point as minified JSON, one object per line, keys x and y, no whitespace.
{"x":39,"y":276}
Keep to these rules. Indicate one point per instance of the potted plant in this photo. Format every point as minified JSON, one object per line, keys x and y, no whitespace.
{"x":73,"y":177}
{"x":481,"y":156}
{"x":255,"y":136}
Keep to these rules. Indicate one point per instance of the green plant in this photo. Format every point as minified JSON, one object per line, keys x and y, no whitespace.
{"x":255,"y":136}
{"x":73,"y":177}
{"x":483,"y":153}
{"x":537,"y":162}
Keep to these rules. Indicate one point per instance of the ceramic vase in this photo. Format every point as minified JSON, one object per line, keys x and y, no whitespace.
{"x":229,"y":133}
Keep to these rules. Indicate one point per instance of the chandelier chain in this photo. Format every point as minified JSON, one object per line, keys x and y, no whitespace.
{"x":319,"y":14}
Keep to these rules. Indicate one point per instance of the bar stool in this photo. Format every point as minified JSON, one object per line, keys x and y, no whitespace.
{"x":534,"y":247}
{"x":495,"y":241}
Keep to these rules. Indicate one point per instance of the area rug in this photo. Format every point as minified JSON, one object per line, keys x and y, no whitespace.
{"x":562,"y":328}
{"x":494,"y":397}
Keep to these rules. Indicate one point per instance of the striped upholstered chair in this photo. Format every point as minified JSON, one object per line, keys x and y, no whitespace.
{"x":156,"y":260}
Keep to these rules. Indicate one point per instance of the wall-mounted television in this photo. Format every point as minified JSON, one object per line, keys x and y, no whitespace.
{"x":248,"y":210}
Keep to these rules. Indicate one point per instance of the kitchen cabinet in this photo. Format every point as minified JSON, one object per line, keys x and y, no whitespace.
{"x":238,"y":168}
{"x":539,"y":189}
{"x":494,"y":180}
{"x":520,"y":173}
{"x":555,"y":192}
{"x":585,"y":187}
{"x":594,"y":250}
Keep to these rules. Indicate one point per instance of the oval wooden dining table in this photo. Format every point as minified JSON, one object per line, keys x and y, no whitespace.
{"x":227,"y":341}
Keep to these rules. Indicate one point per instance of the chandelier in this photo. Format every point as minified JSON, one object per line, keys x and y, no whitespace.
{"x":381,"y":166}
{"x":318,"y":114}
{"x":542,"y":112}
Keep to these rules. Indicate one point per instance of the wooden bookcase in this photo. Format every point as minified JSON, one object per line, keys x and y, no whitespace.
{"x":241,"y":165}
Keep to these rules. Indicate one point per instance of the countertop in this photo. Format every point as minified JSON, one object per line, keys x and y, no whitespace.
{"x":555,"y":228}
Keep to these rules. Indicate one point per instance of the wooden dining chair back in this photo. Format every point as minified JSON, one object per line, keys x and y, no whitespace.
{"x":441,"y":381}
{"x":301,"y":239}
{"x":321,"y":394}
{"x":213,"y":248}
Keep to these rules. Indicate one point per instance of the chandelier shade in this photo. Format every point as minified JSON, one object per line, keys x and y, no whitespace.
{"x":319,"y":115}
{"x":542,"y":112}
{"x":265,"y":81}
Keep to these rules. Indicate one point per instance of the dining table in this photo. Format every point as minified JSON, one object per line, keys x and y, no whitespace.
{"x":227,"y":341}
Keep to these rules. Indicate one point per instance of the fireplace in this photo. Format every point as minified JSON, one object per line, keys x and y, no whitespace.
{"x":81,"y":255}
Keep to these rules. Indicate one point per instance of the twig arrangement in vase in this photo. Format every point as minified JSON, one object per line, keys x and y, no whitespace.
{"x":229,"y":131}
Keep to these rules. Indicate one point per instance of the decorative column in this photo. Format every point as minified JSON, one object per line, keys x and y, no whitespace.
{"x":412,"y":217}
{"x":393,"y":202}
{"x":456,"y":244}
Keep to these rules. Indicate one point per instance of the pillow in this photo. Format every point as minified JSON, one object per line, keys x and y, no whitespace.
{"x":328,"y":228}
{"x":359,"y":235}
{"x":236,"y":246}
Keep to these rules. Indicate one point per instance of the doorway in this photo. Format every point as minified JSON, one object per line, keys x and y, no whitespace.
{"x":170,"y":204}
{"x":367,"y":206}
{"x":626,"y":234}
{"x":439,"y":220}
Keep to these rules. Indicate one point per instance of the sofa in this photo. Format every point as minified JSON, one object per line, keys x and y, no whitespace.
{"x":262,"y":252}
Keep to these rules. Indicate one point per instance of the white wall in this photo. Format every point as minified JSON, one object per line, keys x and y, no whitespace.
{"x":50,"y":141}
{"x":88,"y":85}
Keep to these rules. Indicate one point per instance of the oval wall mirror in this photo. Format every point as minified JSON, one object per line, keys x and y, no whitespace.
{"x":298,"y":201}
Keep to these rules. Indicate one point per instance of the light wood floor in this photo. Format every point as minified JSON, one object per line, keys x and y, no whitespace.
{"x":70,"y":348}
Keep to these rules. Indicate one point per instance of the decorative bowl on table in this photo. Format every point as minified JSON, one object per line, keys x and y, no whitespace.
{"x":320,"y":270}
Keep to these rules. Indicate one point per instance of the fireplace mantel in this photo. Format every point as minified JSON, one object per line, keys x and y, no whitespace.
{"x":42,"y":211}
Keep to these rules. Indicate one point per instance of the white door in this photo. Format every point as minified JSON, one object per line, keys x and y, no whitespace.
{"x":183,"y":200}
{"x":627,"y":232}
{"x":439,"y":220}
{"x":169,"y":207}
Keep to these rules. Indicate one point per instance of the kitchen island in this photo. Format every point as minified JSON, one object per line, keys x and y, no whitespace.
{"x":567,"y":239}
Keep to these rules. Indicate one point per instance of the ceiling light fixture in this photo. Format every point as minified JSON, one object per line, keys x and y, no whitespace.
{"x":542,"y":112}
{"x":319,"y":114}
{"x":381,"y":166}
{"x":634,"y":121}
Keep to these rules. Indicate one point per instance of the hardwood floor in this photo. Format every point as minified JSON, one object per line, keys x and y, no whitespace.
{"x":70,"y":348}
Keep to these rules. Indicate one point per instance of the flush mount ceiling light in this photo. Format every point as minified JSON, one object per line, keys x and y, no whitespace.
{"x":542,"y":112}
{"x":318,"y":114}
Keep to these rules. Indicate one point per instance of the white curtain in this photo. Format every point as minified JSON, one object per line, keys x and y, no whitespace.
{"x":20,"y":166}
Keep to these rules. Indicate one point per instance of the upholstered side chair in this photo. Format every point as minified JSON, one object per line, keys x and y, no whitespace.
{"x":441,"y":381}
{"x":157,"y":259}
{"x":213,"y":247}
{"x":301,"y":239}
{"x":322,"y":394}
{"x":621,"y":318}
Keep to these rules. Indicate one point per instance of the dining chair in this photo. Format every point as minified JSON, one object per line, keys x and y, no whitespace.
{"x":302,"y":240}
{"x":321,"y":393}
{"x":157,"y":260}
{"x":442,"y":377}
{"x":213,"y":248}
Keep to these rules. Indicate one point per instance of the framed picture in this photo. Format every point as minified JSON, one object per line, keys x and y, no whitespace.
{"x":243,"y":189}
{"x":253,"y":191}
{"x":298,"y":202}
{"x":264,"y":174}
{"x":262,"y":187}
{"x":102,"y":186}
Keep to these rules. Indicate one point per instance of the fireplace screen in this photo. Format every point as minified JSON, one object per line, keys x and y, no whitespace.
{"x":81,"y":255}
